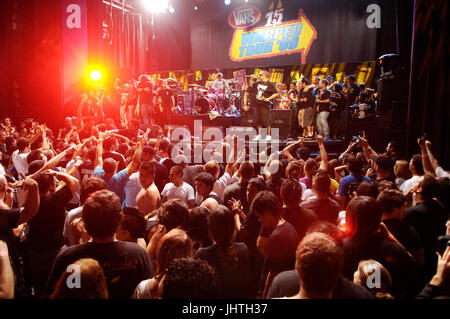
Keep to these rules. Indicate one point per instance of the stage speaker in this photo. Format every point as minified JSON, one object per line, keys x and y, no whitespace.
{"x":247,"y":118}
{"x":387,"y":91}
{"x":282,"y":119}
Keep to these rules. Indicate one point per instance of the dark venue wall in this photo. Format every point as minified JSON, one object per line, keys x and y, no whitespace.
{"x":30,"y":53}
{"x":428,"y":109}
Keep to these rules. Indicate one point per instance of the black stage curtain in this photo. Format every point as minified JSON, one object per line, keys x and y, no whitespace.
{"x":117,"y":40}
{"x":130,"y":43}
{"x":428,"y":110}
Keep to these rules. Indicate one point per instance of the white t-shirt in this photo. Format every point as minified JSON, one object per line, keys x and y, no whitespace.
{"x":441,"y":173}
{"x":409,"y":183}
{"x":67,"y":232}
{"x":221,"y":183}
{"x":20,"y":162}
{"x":185,"y":192}
{"x":307,"y":194}
{"x":132,"y":189}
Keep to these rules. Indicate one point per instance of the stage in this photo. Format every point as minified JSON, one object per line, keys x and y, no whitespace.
{"x":205,"y":129}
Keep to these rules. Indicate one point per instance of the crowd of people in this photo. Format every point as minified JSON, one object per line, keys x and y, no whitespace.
{"x":96,"y":212}
{"x":145,"y":100}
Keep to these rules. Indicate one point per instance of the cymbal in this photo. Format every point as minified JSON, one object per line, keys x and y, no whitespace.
{"x":170,"y":80}
{"x":194,"y":86}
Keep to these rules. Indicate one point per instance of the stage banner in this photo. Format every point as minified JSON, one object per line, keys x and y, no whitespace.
{"x":74,"y":46}
{"x":276,"y":33}
{"x":275,"y":75}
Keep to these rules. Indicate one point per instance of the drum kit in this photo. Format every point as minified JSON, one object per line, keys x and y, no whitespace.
{"x":201,"y":101}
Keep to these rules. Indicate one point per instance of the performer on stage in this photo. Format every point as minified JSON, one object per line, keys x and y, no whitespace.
{"x":293,"y":105}
{"x":166,"y":104}
{"x":266,"y":93}
{"x":144,"y":109}
{"x":323,"y":108}
{"x":305,"y":100}
{"x":248,"y":112}
{"x":219,"y":87}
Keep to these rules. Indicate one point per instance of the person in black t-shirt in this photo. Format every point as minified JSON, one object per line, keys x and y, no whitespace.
{"x":145,"y":91}
{"x":301,"y":218}
{"x":323,"y":98}
{"x":166,"y":104}
{"x":230,"y":259}
{"x":12,"y":218}
{"x":277,"y":240}
{"x":45,"y":237}
{"x":110,"y":146}
{"x":305,"y":101}
{"x":352,"y":98}
{"x":323,"y":205}
{"x":428,"y":218}
{"x":394,"y":204}
{"x":125,"y":264}
{"x":337,"y":106}
{"x":353,"y":91}
{"x":292,"y":95}
{"x":266,"y":92}
{"x":367,"y":238}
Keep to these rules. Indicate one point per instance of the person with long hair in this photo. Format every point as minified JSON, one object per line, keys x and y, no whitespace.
{"x":375,"y":277}
{"x":92,"y":284}
{"x":175,"y":244}
{"x":229,"y":259}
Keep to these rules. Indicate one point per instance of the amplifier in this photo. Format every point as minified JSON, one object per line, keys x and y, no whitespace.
{"x":282,"y":119}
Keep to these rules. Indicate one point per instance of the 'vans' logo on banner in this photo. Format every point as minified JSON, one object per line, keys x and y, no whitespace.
{"x":244,"y":17}
{"x":295,"y":36}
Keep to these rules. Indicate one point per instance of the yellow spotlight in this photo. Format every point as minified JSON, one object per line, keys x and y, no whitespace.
{"x":95,"y":75}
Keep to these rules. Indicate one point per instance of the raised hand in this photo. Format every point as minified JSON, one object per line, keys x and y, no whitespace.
{"x":421,"y":142}
{"x":442,"y":275}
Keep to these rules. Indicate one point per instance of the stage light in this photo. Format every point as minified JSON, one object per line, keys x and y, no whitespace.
{"x":227,"y":2}
{"x":95,"y":75}
{"x":156,"y":6}
{"x":171,"y":9}
{"x":195,"y":8}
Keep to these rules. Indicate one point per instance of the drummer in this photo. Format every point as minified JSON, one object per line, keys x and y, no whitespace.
{"x":220,"y":87}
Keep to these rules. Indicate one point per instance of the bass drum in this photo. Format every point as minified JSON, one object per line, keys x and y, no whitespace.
{"x":204,"y":105}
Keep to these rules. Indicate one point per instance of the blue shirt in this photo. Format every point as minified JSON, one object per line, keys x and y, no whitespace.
{"x":347,"y":180}
{"x":116,"y":183}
